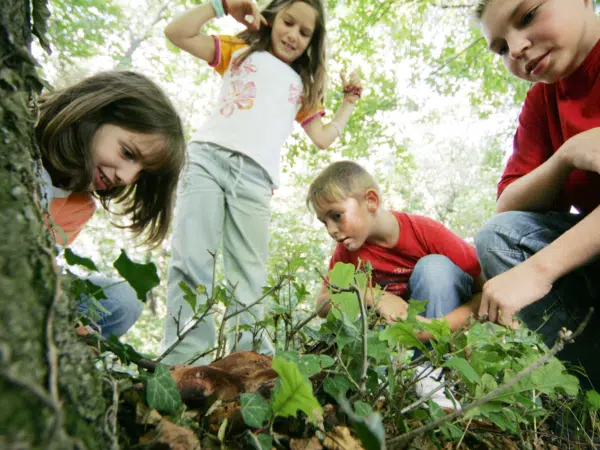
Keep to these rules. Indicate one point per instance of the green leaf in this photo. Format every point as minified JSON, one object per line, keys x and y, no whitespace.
{"x":362,"y":409}
{"x":188,"y":295}
{"x":75,"y":260}
{"x":403,"y":334}
{"x":370,"y":429}
{"x":261,"y":442}
{"x":161,"y":391}
{"x":141,"y":277}
{"x":464,"y":368}
{"x":415,"y":307}
{"x":345,"y":302}
{"x":293,"y":391}
{"x":342,"y":275}
{"x":255,"y":409}
{"x":593,"y":399}
{"x":337,"y":386}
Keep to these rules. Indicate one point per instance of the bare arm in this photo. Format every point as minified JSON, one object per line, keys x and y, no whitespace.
{"x":323,"y":135}
{"x":537,"y":190}
{"x":185,"y":31}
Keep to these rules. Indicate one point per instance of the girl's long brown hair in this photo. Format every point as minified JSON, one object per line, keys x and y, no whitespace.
{"x":70,"y":117}
{"x":311,"y":65}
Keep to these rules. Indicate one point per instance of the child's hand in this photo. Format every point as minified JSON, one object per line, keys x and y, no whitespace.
{"x":352,"y":88}
{"x":392,"y":308}
{"x":506,"y":294}
{"x":582,"y":151}
{"x":246,"y":12}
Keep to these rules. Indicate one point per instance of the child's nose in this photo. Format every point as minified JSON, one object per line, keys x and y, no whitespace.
{"x":517,"y":45}
{"x":128,"y":173}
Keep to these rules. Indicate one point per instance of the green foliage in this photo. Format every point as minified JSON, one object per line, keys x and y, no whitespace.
{"x":72,"y":259}
{"x":255,"y":409}
{"x":261,"y":442}
{"x":161,"y":390}
{"x":141,"y":277}
{"x":370,"y":429}
{"x":293,"y":391}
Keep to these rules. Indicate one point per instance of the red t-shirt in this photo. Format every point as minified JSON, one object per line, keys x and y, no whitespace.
{"x":552,"y":114}
{"x":419,"y":237}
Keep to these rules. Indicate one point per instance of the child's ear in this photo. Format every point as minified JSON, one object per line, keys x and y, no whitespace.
{"x":373,"y":200}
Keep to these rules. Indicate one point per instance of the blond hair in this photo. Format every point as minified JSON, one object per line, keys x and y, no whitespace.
{"x":339,"y":181}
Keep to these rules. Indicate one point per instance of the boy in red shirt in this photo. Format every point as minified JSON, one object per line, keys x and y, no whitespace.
{"x":540,"y":259}
{"x":411,"y":256}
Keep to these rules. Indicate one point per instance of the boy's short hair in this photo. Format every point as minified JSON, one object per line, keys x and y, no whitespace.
{"x":339,"y":181}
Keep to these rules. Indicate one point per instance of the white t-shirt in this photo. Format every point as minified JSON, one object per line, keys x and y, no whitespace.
{"x":258,"y":103}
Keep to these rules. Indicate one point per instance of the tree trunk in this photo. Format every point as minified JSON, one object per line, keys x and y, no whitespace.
{"x":51,"y":394}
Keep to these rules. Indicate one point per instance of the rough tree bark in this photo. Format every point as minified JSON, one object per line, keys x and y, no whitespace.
{"x":52,"y":396}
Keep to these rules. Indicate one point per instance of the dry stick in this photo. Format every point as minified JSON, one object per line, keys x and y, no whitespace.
{"x":111,"y":414}
{"x":564,"y":337}
{"x":181,"y":336}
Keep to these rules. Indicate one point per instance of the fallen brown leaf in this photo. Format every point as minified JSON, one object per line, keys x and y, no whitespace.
{"x":305,"y":444}
{"x":339,"y":438}
{"x":176,"y":437}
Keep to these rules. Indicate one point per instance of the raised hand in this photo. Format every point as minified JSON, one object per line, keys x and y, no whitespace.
{"x":245,"y":12}
{"x":352,"y":87}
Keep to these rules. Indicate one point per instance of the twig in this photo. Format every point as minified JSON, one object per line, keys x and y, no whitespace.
{"x":197,"y":357}
{"x":301,"y":324}
{"x":564,"y":337}
{"x":365,"y":366}
{"x":251,"y":305}
{"x":347,"y":371}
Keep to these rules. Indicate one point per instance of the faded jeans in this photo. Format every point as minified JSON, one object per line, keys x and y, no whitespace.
{"x":509,"y":239}
{"x":223,"y":202}
{"x":122,"y":305}
{"x":442,"y":283}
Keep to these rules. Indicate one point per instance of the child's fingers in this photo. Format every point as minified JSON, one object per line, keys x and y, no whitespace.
{"x":343,"y":77}
{"x":264,"y":21}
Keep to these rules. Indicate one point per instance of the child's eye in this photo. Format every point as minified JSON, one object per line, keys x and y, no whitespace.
{"x":305,"y":34}
{"x":528,"y":17}
{"x":337,"y":216}
{"x":128,"y":153}
{"x":288,"y":23}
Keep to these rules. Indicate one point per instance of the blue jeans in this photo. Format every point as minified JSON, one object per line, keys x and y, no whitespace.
{"x":122,"y":305}
{"x":509,"y":239}
{"x":437,"y":279}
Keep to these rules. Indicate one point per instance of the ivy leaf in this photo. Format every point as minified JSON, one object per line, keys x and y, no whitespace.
{"x":161,"y":391}
{"x":260,"y":442}
{"x":337,"y":386}
{"x":593,"y":399}
{"x":362,"y":409}
{"x":141,"y":277}
{"x":73,"y":259}
{"x":464,"y":368}
{"x":342,"y":275}
{"x":293,"y":391}
{"x":255,"y":409}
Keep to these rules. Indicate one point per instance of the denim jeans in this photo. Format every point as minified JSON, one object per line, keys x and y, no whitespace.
{"x":442,"y":283}
{"x":223,"y":202}
{"x":509,"y":239}
{"x":122,"y":305}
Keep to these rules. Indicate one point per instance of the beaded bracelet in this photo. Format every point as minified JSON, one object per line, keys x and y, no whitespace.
{"x":225,"y":7}
{"x":218,"y":7}
{"x":354,"y":91}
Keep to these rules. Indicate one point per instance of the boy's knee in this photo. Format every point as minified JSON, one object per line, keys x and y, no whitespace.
{"x":499,"y":236}
{"x":433,"y":268}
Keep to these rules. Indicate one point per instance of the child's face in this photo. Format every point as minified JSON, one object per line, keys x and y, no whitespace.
{"x":539,"y":40}
{"x":292,"y":31}
{"x":118,"y":156}
{"x":347,"y":221}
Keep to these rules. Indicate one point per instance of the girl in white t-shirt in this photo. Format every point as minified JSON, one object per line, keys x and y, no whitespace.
{"x":273,"y":73}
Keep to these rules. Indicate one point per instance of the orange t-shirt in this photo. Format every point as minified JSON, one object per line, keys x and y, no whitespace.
{"x":70,"y":214}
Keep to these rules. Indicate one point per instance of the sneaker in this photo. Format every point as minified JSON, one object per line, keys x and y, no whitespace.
{"x":431,"y":386}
